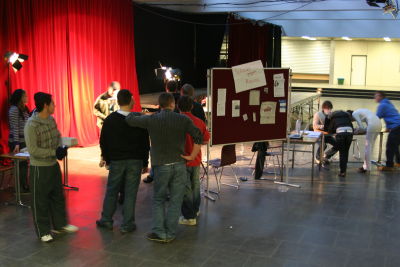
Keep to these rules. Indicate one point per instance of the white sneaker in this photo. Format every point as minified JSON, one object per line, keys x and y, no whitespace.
{"x":198,"y":213}
{"x":46,"y":238}
{"x":69,"y":228}
{"x":191,"y":222}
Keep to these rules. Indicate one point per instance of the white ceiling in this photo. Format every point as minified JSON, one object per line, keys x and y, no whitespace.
{"x":322,"y":18}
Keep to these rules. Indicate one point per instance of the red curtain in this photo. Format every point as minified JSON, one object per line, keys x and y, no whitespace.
{"x":75,"y":48}
{"x":247,"y":42}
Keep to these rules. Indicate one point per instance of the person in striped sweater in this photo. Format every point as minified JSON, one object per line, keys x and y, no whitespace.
{"x":18,"y":115}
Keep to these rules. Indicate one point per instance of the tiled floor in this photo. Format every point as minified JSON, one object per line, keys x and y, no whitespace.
{"x":333,"y":222}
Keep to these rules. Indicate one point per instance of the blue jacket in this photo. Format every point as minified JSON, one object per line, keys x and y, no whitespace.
{"x":389,"y":113}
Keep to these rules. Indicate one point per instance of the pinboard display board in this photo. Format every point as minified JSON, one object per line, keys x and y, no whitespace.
{"x":241,"y":115}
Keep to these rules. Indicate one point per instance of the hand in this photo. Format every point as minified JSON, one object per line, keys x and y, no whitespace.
{"x":188,"y":158}
{"x":16,"y":149}
{"x":102,"y":163}
{"x":145,"y":170}
{"x":61,"y":152}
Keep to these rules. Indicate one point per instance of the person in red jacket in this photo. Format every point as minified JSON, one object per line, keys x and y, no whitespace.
{"x":192,"y":198}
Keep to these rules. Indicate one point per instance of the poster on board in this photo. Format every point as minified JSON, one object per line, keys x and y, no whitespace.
{"x":248,"y":76}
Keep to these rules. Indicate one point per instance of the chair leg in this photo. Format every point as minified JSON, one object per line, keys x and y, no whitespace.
{"x":237,"y":179}
{"x":251,"y":161}
{"x":216,"y":179}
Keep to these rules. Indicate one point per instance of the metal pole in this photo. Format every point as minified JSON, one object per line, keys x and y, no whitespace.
{"x":207,"y":194}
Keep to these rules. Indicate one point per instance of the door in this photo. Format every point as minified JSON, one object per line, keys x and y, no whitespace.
{"x":358,"y":70}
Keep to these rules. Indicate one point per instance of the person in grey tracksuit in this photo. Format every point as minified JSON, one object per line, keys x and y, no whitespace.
{"x":43,"y":141}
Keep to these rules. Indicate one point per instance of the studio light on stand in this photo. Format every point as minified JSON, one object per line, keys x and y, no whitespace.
{"x":14,"y":61}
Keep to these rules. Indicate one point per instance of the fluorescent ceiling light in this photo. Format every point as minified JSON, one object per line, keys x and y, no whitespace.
{"x":387,"y":39}
{"x":309,"y":38}
{"x":346,"y":38}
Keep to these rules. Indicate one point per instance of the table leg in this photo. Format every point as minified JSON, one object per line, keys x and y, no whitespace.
{"x":18,"y":185}
{"x":294,"y":148}
{"x":321,"y":151}
{"x":380,"y":147}
{"x":312,"y":162}
{"x":283,"y":160}
{"x":65,"y":184}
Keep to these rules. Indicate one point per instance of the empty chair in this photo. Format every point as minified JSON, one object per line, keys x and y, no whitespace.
{"x":228,"y":158}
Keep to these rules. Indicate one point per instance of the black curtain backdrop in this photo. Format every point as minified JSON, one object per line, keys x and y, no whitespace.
{"x":249,"y":41}
{"x":162,"y":36}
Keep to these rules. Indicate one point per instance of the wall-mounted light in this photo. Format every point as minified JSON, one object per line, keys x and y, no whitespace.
{"x":346,"y":38}
{"x":309,"y":38}
{"x":387,"y":39}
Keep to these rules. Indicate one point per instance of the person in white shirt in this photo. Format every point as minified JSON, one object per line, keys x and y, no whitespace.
{"x":318,"y":126}
{"x":370,"y":124}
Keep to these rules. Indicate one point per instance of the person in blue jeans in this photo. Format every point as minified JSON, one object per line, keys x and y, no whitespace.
{"x":391,"y":116}
{"x":167,"y":130}
{"x":126,"y":150}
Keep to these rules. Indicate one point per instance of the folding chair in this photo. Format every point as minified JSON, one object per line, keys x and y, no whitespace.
{"x":228,"y":158}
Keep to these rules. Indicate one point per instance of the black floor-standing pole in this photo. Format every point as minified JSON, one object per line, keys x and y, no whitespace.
{"x":8,"y":83}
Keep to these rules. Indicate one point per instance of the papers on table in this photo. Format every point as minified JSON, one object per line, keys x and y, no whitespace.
{"x":22,"y":154}
{"x":267,"y":112}
{"x":248,"y":76}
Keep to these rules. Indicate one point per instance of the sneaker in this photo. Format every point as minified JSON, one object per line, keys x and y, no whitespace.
{"x":362,"y":170}
{"x":125,"y":230}
{"x":191,"y":222}
{"x":317,"y":161}
{"x":148,"y":179}
{"x":198,"y":213}
{"x":342,"y":174}
{"x":169,"y":240}
{"x":386,"y":169}
{"x":154,"y":237}
{"x":46,"y":238}
{"x":69,"y":228}
{"x":106,"y":225}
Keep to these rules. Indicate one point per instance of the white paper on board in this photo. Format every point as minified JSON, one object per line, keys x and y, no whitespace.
{"x":254,"y":117}
{"x":248,"y":76}
{"x":254,"y":98}
{"x":267,"y":112}
{"x":279,"y":88}
{"x":266,"y":90}
{"x":235,"y":108}
{"x":221,"y":109}
{"x":279,"y":76}
{"x":245,"y":117}
{"x":282,"y":106}
{"x":221,"y":95}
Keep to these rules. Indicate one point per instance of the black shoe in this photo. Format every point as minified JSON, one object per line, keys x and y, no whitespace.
{"x":362,"y":170}
{"x":342,"y":174}
{"x":106,"y":225}
{"x":154,"y":237}
{"x":148,"y":179}
{"x":125,"y":230}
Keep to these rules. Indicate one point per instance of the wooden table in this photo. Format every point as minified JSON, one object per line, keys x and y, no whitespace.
{"x":303,"y":142}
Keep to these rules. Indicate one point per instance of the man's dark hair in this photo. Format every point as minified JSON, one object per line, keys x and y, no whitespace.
{"x":41,"y":99}
{"x":185,"y":103}
{"x":327,"y":104}
{"x":381,"y":93}
{"x":172,"y":86}
{"x":187,"y":89}
{"x":165,"y":99}
{"x":350,"y":112}
{"x":124,"y":97}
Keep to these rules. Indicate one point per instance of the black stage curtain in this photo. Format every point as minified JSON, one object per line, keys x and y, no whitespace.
{"x":164,"y":36}
{"x":249,"y":41}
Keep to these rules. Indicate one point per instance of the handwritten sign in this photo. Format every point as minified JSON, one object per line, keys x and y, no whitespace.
{"x":248,"y":76}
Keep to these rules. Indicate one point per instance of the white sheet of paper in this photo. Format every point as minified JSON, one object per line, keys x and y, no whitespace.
{"x":279,"y":76}
{"x":221,"y":95}
{"x":248,"y":76}
{"x":279,"y":88}
{"x":254,"y":98}
{"x":22,"y":154}
{"x":267,"y":112}
{"x":266,"y":90}
{"x":245,"y":117}
{"x":221,"y":109}
{"x":235,"y":108}
{"x":254,"y":117}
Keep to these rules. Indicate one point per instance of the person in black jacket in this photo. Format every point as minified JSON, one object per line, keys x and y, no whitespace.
{"x":126,"y":150}
{"x":198,"y":111}
{"x":339,"y":123}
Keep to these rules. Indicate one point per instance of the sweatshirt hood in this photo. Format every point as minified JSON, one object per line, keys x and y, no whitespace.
{"x":35,"y":117}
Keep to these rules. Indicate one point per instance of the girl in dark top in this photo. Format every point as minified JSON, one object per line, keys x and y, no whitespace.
{"x":18,"y":115}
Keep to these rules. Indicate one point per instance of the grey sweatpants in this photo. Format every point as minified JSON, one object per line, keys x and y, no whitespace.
{"x":48,"y":202}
